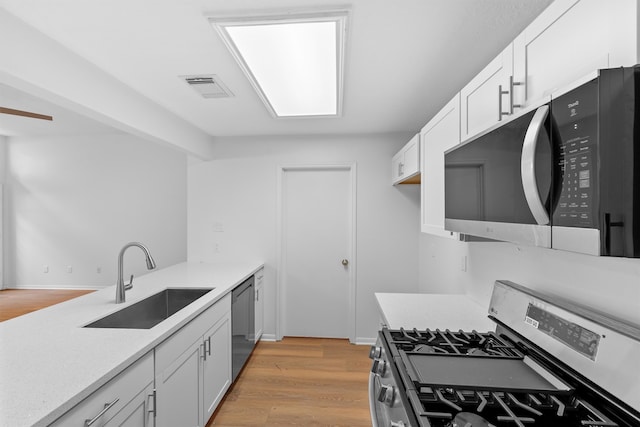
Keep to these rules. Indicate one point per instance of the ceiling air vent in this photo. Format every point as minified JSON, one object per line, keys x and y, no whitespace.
{"x":208,"y":86}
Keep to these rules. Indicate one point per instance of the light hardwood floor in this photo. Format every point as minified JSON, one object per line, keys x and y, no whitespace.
{"x":293,"y":382}
{"x":300,"y":382}
{"x":16,"y":302}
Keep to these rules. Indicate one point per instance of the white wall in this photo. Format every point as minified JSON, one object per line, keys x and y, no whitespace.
{"x":76,"y":200}
{"x":610,"y":285}
{"x":232,"y":211}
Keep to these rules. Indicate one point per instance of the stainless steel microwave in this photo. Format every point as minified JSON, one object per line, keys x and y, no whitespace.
{"x":561,"y":174}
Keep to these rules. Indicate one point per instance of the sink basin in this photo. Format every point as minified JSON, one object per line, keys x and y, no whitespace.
{"x":152,"y":310}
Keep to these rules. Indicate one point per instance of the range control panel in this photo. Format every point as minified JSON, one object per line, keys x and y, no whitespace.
{"x":575,"y":116}
{"x":578,"y":338}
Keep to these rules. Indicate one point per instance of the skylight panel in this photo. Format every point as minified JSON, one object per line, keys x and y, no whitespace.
{"x":295,"y":64}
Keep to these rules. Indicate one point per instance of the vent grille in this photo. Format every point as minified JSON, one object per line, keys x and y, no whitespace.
{"x":208,"y":86}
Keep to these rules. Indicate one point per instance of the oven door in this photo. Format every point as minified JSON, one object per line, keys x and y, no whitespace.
{"x":385,"y":400}
{"x":498,"y":185}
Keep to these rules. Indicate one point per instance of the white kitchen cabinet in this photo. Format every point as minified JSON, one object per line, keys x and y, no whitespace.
{"x":405,"y":165}
{"x":571,"y":39}
{"x":485,"y":100}
{"x":193,"y":368}
{"x":259,"y":304}
{"x":126,"y":400}
{"x":437,"y":136}
{"x":216,"y":366}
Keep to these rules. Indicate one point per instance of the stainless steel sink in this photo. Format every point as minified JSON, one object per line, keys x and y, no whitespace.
{"x":152,"y":310}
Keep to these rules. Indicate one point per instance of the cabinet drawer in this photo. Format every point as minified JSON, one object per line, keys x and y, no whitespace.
{"x":115,"y":395}
{"x":193,"y":331}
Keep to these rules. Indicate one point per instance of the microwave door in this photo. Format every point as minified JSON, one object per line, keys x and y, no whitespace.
{"x":498,"y":184}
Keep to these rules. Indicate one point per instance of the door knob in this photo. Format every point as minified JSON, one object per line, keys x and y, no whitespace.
{"x":345,"y":262}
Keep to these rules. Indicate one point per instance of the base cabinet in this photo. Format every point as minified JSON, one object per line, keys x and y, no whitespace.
{"x":259,"y":305}
{"x":193,"y":368}
{"x":216,"y":367}
{"x":125,"y":401}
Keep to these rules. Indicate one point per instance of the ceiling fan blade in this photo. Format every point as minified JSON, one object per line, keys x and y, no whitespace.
{"x":24,"y":113}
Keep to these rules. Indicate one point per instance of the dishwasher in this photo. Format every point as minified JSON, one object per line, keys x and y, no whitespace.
{"x":242,"y":324}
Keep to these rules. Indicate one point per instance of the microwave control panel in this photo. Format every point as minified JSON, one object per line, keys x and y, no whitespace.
{"x":575,"y":116}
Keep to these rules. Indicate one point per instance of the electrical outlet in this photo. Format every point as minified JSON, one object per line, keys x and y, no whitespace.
{"x":463,"y":263}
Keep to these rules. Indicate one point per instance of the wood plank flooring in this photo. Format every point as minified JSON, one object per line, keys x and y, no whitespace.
{"x":16,"y":302}
{"x":293,"y":382}
{"x":300,"y":382}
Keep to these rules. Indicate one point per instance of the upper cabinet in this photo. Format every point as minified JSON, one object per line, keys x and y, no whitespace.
{"x":485,"y":100}
{"x":436,"y":137}
{"x":405,"y":165}
{"x":569,"y":40}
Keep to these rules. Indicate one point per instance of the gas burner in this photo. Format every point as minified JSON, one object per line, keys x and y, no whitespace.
{"x":458,"y":343}
{"x":469,"y":419}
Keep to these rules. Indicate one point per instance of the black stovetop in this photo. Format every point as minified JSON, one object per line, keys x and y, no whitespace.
{"x":472,"y":379}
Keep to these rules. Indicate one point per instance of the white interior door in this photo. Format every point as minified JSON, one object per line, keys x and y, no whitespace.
{"x":316,"y":243}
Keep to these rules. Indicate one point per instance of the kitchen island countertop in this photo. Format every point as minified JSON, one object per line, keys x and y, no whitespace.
{"x":49,"y":362}
{"x":433,"y":311}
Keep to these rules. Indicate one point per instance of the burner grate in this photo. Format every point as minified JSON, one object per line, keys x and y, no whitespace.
{"x":509,"y":409}
{"x":458,"y":343}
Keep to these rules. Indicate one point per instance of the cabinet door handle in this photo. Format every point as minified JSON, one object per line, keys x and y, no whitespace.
{"x":209,"y":348}
{"x":258,"y":295}
{"x":511,"y":96}
{"x":500,"y":94}
{"x":204,"y":350}
{"x":155,"y":403}
{"x":107,"y":406}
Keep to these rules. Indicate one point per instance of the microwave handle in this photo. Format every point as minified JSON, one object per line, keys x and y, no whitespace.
{"x":528,"y":166}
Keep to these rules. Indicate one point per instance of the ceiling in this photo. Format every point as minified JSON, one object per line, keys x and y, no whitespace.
{"x":404,"y":59}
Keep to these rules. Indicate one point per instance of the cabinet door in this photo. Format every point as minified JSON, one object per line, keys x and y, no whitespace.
{"x":178,"y":389}
{"x":139,"y":412}
{"x":216,"y":365}
{"x":481,"y":99}
{"x":396,"y":167}
{"x":259,"y":305}
{"x":411,"y":163}
{"x":571,"y":39}
{"x":440,"y":134}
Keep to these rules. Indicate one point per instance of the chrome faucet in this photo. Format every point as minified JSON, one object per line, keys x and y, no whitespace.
{"x":120,"y":286}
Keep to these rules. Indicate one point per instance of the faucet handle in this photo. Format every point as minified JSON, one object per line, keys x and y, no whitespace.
{"x":129,"y":285}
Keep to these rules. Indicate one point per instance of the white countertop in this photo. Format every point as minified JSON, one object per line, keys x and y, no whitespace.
{"x":49,"y":363}
{"x":433,"y":311}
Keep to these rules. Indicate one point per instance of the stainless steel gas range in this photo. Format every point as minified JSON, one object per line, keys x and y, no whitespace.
{"x":548,"y":363}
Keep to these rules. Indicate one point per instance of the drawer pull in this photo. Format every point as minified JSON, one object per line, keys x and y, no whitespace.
{"x":107,"y":406}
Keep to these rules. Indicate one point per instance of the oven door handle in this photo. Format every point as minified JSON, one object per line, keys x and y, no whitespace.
{"x":528,"y":166}
{"x":373,"y":399}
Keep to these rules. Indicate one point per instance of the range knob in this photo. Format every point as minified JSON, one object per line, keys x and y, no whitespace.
{"x":397,"y":424}
{"x":380,"y":368}
{"x":375,"y":352}
{"x":386,"y":395}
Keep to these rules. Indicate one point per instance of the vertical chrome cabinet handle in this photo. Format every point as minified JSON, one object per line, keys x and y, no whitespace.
{"x":155,"y":403}
{"x":208,"y":348}
{"x":528,"y":166}
{"x":204,"y":350}
{"x":107,"y":406}
{"x":513,"y":83}
{"x":500,"y":94}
